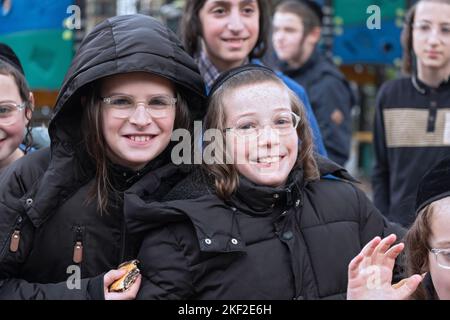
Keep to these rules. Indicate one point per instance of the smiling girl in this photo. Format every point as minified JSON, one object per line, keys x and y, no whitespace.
{"x":264,"y":227}
{"x":62,"y":228}
{"x":16,"y":107}
{"x":224,"y":34}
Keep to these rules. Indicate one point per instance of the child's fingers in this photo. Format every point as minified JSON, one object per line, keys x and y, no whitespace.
{"x":385,"y":244}
{"x":370,"y":247}
{"x":393,"y":252}
{"x":131,"y":293}
{"x":353,"y":266}
{"x":112,"y":276}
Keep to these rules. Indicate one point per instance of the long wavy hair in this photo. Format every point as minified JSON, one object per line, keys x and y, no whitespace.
{"x":226,"y":177}
{"x":97,"y":147}
{"x":408,"y":62}
{"x":417,"y":248}
{"x":191,"y":28}
{"x":24,"y":91}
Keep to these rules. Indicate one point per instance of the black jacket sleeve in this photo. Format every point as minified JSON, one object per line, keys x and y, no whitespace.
{"x":380,"y":177}
{"x":333,"y":96}
{"x":18,"y":289}
{"x":164,"y":267}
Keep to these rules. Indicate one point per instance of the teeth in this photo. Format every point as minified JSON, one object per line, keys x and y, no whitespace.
{"x":269,"y":159}
{"x":140,"y":138}
{"x":2,"y":135}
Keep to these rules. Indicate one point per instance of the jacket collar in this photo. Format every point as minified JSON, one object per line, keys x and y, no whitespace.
{"x":215,"y":221}
{"x":123,"y":178}
{"x":329,"y":168}
{"x":254,"y":199}
{"x":259,"y":200}
{"x":423,"y":88}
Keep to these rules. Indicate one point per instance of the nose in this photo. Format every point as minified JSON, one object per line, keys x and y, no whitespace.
{"x":235,"y":23}
{"x":140,"y":116}
{"x":434,"y":36}
{"x":268,"y":137}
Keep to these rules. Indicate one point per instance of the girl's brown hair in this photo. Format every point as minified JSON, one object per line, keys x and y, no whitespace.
{"x":417,"y":249}
{"x":225,"y":175}
{"x":24,"y":91}
{"x":407,"y":36}
{"x":97,"y":147}
{"x":191,"y":28}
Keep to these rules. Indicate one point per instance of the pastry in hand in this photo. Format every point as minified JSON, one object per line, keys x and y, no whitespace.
{"x":127,"y":280}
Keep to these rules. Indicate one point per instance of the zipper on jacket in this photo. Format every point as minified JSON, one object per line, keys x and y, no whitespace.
{"x":78,"y":248}
{"x":15,"y":236}
{"x":124,"y":231}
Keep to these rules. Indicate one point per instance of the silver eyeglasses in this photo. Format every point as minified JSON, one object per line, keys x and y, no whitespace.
{"x":442,"y":257}
{"x":283,"y":123}
{"x":9,"y":112}
{"x":123,"y":107}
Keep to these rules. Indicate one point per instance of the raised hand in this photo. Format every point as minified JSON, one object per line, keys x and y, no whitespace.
{"x":370,"y":273}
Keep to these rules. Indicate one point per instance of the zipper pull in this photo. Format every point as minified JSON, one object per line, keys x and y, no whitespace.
{"x":15,"y":240}
{"x":78,"y":252}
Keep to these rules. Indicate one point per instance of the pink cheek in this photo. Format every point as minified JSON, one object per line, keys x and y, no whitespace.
{"x":16,"y":130}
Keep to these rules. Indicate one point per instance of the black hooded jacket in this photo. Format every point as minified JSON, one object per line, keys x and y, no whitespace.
{"x":265,"y":243}
{"x":48,"y":233}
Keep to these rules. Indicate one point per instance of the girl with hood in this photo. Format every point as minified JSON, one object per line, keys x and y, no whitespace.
{"x":61,"y":209}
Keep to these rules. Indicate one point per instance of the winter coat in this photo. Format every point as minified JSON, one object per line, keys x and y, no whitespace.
{"x":331,"y":100}
{"x":265,"y":243}
{"x":49,"y":233}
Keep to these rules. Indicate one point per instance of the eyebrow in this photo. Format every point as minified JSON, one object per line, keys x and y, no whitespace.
{"x":131,"y":96}
{"x":253,"y":113}
{"x":227,"y":3}
{"x":431,"y":22}
{"x":445,"y":243}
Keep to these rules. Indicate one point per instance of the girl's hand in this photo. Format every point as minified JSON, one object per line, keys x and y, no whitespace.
{"x":112,"y":276}
{"x":370,"y":273}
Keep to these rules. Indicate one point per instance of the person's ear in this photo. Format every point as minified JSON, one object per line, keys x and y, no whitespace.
{"x":31,"y":99}
{"x":29,"y":111}
{"x":314,"y":35}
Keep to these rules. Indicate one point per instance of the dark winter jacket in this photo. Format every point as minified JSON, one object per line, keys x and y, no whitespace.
{"x":265,"y":243}
{"x":47,"y":229}
{"x":331,"y":99}
{"x":411,"y":135}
